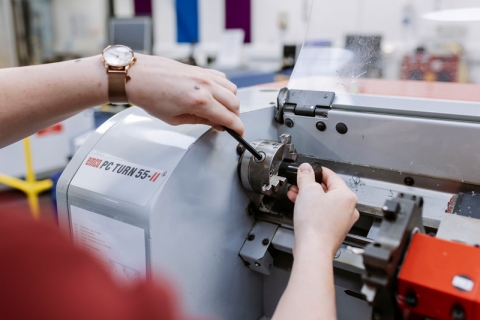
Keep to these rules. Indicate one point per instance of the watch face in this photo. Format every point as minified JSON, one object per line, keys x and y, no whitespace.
{"x":118,"y":56}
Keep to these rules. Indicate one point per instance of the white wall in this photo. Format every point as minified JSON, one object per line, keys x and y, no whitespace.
{"x":79,"y":26}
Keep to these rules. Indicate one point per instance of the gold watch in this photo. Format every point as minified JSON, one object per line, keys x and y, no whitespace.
{"x":117,"y":59}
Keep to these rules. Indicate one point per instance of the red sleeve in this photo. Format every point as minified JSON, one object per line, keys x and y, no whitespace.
{"x":44,"y":276}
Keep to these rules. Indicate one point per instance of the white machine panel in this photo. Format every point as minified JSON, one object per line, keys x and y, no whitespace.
{"x":119,"y":246}
{"x":119,"y":179}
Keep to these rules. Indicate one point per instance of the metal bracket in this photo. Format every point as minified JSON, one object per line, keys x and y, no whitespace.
{"x":255,"y":249}
{"x":382,"y":259}
{"x":303,"y":103}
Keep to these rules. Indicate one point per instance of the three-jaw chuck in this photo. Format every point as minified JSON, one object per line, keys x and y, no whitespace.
{"x":275,"y":171}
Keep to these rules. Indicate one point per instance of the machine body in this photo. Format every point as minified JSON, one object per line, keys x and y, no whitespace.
{"x":155,"y":201}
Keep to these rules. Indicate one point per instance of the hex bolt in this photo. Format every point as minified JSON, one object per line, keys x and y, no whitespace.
{"x":341,"y":128}
{"x":320,"y":126}
{"x":251,"y":237}
{"x":411,"y":299}
{"x":458,"y":313}
{"x":265,"y":242}
{"x":409,"y":181}
{"x":240,"y":149}
{"x":289,"y":122}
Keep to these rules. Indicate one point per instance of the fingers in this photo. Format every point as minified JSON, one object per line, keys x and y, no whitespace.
{"x":224,"y":82}
{"x":227,"y":98}
{"x":292,"y":193}
{"x":332,"y":180}
{"x":356,"y":215}
{"x":305,"y":175}
{"x":216,"y":72}
{"x":217,"y":114}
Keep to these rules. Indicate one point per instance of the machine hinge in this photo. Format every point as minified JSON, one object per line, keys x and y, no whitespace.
{"x":303,"y":103}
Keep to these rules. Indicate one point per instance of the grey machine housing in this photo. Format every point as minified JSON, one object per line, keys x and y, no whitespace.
{"x":199,"y":222}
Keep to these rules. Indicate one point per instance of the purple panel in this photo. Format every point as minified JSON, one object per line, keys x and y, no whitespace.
{"x":238,"y":16}
{"x":143,"y":7}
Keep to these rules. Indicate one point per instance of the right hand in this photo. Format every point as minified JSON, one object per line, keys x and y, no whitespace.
{"x":324,"y":213}
{"x":179,"y":94}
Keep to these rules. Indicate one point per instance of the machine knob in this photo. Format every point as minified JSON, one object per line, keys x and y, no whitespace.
{"x":289,"y":170}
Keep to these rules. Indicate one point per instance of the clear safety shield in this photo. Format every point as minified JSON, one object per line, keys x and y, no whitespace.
{"x":417,"y":48}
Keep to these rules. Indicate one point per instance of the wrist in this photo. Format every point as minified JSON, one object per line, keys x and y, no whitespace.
{"x":315,"y":243}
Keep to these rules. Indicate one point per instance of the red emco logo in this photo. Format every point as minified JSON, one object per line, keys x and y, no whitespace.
{"x":93,"y":162}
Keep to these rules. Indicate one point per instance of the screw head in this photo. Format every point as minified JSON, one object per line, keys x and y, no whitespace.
{"x":411,"y":299}
{"x":458,"y":313}
{"x":341,"y":128}
{"x":240,"y":149}
{"x":251,"y":237}
{"x":265,"y":242}
{"x":409,"y":181}
{"x":320,"y":126}
{"x":289,"y":122}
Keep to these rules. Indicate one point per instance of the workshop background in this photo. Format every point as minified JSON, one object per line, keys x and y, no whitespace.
{"x":252,"y":41}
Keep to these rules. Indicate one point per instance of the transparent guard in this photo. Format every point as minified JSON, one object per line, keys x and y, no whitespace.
{"x":419,"y":48}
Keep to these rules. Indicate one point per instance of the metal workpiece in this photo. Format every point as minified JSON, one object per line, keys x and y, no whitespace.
{"x":271,"y":175}
{"x":255,"y":249}
{"x":262,"y":176}
{"x":383,"y":257}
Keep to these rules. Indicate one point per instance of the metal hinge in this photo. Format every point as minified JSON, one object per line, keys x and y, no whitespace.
{"x":255,"y":249}
{"x":303,"y":103}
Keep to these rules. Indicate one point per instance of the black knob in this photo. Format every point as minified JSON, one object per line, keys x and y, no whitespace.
{"x":289,"y":170}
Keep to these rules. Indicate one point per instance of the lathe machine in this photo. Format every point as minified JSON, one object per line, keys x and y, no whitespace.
{"x":187,"y":203}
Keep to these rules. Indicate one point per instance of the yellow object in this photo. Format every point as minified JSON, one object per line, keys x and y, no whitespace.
{"x":30,"y":186}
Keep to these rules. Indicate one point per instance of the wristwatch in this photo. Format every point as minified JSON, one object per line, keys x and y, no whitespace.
{"x":117,"y":59}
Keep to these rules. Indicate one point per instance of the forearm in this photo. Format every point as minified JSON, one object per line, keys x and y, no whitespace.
{"x":310,"y":293}
{"x":32,"y":98}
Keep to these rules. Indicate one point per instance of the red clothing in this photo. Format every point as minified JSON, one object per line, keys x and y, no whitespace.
{"x":44,"y":276}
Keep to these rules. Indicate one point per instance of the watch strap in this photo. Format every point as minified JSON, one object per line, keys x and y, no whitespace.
{"x":117,"y":92}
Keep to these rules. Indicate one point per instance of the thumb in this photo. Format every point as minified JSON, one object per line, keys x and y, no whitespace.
{"x":305,"y":175}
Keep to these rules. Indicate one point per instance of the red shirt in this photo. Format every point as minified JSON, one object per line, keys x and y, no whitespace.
{"x":44,"y":276}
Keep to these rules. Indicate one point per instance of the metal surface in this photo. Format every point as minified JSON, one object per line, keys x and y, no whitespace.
{"x":255,"y":249}
{"x":402,"y":144}
{"x":460,"y":229}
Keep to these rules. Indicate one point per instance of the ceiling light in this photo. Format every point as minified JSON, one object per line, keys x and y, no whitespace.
{"x":464,"y":14}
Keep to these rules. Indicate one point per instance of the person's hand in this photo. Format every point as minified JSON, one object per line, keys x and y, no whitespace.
{"x":179,"y":94}
{"x":324,"y":213}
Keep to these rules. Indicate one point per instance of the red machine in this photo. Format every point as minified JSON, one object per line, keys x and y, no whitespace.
{"x":411,"y":275}
{"x":440,"y":279}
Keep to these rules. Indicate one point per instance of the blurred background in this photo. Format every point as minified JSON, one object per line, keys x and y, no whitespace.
{"x":403,"y":39}
{"x":417,"y":48}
